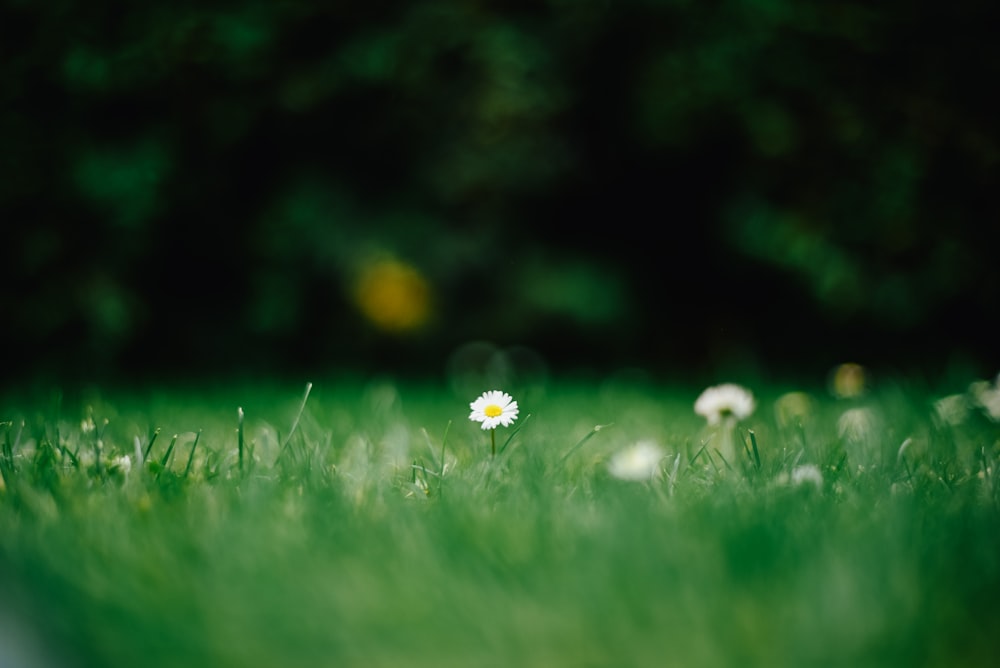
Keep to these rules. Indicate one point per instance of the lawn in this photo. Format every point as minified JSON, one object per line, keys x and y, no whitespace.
{"x":366,"y":523}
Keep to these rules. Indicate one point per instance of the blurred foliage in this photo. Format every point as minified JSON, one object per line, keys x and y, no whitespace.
{"x":667,"y":183}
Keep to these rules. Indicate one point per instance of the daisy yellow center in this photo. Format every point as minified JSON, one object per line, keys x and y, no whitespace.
{"x":492,"y":410}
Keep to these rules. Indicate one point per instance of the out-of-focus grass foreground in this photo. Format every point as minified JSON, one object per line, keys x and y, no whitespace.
{"x":617,"y":524}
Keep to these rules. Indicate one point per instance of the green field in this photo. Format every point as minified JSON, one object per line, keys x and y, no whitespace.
{"x":367,"y":524}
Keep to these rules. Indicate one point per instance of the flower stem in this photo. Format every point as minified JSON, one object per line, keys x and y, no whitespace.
{"x":493,"y":442}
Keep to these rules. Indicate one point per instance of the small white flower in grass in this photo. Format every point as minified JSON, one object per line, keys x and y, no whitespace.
{"x":952,"y":410}
{"x":493,"y":409}
{"x":807,"y":474}
{"x":855,"y":424}
{"x":637,"y":462}
{"x":122,"y":464}
{"x":987,"y":397}
{"x":726,"y":403}
{"x":804,"y":474}
{"x":87,"y":458}
{"x":859,"y":429}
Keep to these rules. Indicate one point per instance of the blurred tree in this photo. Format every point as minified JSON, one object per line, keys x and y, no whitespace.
{"x":661,"y":183}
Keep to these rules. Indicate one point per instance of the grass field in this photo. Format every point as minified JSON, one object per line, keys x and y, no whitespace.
{"x":367,"y":524}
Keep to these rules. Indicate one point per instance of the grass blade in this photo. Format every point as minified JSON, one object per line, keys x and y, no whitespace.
{"x":149,"y":447}
{"x":170,"y":450}
{"x":187,"y":469}
{"x":239,"y":435}
{"x":756,"y":453}
{"x":295,"y":422}
{"x":587,"y":437}
{"x":513,"y":433}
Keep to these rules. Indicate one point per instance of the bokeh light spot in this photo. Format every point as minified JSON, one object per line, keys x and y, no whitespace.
{"x":848,"y":380}
{"x":393,"y":296}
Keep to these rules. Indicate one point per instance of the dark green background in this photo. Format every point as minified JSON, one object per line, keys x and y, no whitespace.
{"x":687,"y":187}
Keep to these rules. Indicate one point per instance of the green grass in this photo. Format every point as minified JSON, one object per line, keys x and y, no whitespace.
{"x":346,"y":539}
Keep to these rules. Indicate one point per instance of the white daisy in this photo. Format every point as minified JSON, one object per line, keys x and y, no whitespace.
{"x":494,"y":408}
{"x":637,"y":462}
{"x":725,"y":403}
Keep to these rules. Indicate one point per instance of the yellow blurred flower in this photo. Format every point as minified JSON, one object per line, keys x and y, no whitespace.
{"x":393,"y":295}
{"x":848,"y":380}
{"x":793,"y":408}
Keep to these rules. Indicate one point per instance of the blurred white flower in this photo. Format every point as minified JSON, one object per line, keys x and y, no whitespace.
{"x":987,"y":397}
{"x":952,"y":409}
{"x":122,"y":463}
{"x":494,"y":408}
{"x":856,"y":424}
{"x":87,"y":458}
{"x":807,"y":474}
{"x":640,"y":461}
{"x":726,"y":403}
